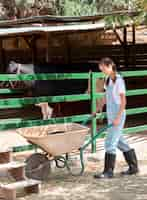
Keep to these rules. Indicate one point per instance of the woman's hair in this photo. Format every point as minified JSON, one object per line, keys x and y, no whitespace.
{"x":108,"y":61}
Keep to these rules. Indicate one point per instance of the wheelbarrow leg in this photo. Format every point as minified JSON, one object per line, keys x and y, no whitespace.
{"x":81,"y":163}
{"x":67,"y":156}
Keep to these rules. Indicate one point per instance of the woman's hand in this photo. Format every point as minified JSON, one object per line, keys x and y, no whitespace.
{"x":116,"y":121}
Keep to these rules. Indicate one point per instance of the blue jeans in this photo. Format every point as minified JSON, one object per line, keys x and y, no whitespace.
{"x":115,"y":138}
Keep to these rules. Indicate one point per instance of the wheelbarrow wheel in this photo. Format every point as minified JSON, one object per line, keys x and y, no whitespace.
{"x":37,"y":167}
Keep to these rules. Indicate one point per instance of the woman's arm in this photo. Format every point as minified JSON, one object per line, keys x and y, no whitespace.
{"x":121,"y":110}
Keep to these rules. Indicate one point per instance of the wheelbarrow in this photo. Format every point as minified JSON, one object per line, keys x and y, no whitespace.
{"x":56,"y":141}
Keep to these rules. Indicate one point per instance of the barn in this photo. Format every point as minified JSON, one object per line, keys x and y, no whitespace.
{"x":74,"y":42}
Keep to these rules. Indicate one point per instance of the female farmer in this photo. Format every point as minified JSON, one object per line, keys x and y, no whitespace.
{"x":115,"y":100}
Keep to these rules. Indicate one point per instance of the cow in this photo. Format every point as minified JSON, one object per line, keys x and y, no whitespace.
{"x":55,"y":87}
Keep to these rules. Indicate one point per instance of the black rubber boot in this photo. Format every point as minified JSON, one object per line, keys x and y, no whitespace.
{"x":131,"y":159}
{"x":108,"y":167}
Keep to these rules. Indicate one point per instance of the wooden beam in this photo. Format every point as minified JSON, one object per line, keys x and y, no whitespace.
{"x":125,"y":35}
{"x":47,"y":48}
{"x":28,"y":41}
{"x":68,"y":49}
{"x":133,"y":34}
{"x":118,"y":37}
{"x":134,"y":45}
{"x":34,"y":50}
{"x":126,"y":53}
{"x":2,"y":57}
{"x":1,"y":53}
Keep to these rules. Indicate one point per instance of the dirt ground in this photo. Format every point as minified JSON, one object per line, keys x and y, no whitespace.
{"x":62,"y":186}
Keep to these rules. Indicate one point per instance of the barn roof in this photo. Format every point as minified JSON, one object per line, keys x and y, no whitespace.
{"x":56,"y":24}
{"x":50,"y":29}
{"x":63,"y":19}
{"x":53,"y":29}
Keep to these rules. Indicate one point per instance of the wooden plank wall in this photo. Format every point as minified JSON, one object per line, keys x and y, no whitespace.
{"x":116,"y":52}
{"x":136,"y":55}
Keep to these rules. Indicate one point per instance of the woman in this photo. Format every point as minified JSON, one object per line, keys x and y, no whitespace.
{"x":115,"y":100}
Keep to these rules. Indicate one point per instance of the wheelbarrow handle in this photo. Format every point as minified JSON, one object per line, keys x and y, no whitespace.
{"x":96,"y":136}
{"x":89,"y":142}
{"x":84,"y":123}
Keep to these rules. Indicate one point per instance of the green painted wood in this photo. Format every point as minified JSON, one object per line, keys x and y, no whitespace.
{"x":11,"y":91}
{"x":21,"y":102}
{"x":130,"y":111}
{"x":18,"y":123}
{"x":136,"y":92}
{"x":93,"y":110}
{"x":60,"y":76}
{"x":128,"y":93}
{"x":133,"y":111}
{"x":125,"y":74}
{"x":131,"y":130}
{"x":24,"y":148}
{"x":30,"y":77}
{"x":134,"y":73}
{"x":135,"y":129}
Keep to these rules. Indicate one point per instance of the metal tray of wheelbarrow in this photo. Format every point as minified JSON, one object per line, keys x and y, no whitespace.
{"x":56,"y":139}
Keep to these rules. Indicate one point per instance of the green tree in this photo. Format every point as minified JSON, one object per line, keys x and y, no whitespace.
{"x":76,"y":7}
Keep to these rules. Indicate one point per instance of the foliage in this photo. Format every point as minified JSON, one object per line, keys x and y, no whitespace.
{"x":77,"y":7}
{"x":25,"y":8}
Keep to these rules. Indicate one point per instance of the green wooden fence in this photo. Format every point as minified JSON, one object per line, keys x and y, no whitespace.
{"x":6,"y":124}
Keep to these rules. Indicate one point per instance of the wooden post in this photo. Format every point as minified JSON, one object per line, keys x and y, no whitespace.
{"x":93,"y":108}
{"x":118,"y":37}
{"x":68,"y":50}
{"x":5,"y":157}
{"x":34,"y":50}
{"x":47,"y":48}
{"x":2,"y":62}
{"x":18,"y":173}
{"x":133,"y":34}
{"x":32,"y":189}
{"x":134,"y":45}
{"x":8,"y":194}
{"x":126,"y":52}
{"x":31,"y":42}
